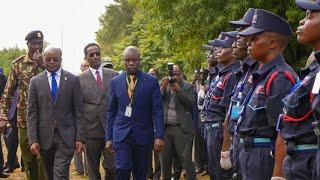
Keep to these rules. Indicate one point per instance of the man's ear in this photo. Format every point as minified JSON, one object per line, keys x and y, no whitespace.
{"x":274,"y":43}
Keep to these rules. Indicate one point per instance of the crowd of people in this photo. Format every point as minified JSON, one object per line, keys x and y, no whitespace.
{"x":248,"y":115}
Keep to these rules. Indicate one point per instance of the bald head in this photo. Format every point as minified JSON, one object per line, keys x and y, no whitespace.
{"x":131,"y":58}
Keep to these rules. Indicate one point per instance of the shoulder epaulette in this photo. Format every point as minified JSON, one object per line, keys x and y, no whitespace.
{"x":18,"y":59}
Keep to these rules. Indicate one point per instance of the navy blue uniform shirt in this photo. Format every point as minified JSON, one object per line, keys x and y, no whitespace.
{"x":263,"y":106}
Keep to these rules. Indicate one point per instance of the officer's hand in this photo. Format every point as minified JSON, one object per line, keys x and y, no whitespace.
{"x":109,"y":146}
{"x":175,"y":87}
{"x":225,"y":161}
{"x":79,"y":146}
{"x":158,"y":145}
{"x":278,"y":178}
{"x":35,"y":149}
{"x":37,"y":56}
{"x":164,"y":82}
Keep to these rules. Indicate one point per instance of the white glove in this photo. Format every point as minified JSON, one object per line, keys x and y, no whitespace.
{"x":278,"y":178}
{"x":225,"y":161}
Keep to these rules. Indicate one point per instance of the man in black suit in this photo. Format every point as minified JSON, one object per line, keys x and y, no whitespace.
{"x":54,"y":118}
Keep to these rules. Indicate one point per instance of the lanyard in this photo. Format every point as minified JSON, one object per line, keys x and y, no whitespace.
{"x":295,"y":86}
{"x":132,"y":90}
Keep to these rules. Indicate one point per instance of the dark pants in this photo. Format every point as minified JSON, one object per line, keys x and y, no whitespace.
{"x":234,"y":155}
{"x":94,"y":149}
{"x":57,"y":158}
{"x":12,"y":142}
{"x":200,"y":153}
{"x":256,"y":163}
{"x":299,"y":166}
{"x":316,"y":170}
{"x":177,"y":140}
{"x":131,"y":157}
{"x":214,"y":137}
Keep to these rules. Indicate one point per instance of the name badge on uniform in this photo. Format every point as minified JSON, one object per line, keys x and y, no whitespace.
{"x":236,"y":112}
{"x":316,"y":85}
{"x":128,"y":111}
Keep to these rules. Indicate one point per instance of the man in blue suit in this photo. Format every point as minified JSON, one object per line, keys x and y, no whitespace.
{"x":135,"y":118}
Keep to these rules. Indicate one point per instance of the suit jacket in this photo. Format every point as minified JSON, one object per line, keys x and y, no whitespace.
{"x":95,"y":102}
{"x":65,"y":113}
{"x":147,"y":114}
{"x":185,"y":103}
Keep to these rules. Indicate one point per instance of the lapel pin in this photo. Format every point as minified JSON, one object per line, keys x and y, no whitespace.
{"x":65,"y":78}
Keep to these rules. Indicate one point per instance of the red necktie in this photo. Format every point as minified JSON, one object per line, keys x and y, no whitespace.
{"x":99,"y":81}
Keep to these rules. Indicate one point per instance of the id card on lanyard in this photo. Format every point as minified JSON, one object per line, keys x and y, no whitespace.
{"x":131,"y":90}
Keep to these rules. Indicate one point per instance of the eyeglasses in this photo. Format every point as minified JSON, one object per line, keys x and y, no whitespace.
{"x":95,"y":53}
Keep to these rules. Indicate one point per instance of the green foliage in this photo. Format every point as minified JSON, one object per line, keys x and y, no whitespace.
{"x":173,"y":31}
{"x":7,"y":56}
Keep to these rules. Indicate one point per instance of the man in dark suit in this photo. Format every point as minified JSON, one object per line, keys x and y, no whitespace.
{"x":179,"y":98}
{"x":54,"y":117}
{"x":95,"y":85}
{"x":135,"y":118}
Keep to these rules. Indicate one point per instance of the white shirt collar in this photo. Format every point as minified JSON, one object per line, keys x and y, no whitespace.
{"x":94,"y":70}
{"x":58,"y":73}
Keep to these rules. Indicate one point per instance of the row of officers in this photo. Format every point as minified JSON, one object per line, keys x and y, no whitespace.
{"x":261,"y":120}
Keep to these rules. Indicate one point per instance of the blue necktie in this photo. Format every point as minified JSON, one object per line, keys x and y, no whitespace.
{"x":54,"y":86}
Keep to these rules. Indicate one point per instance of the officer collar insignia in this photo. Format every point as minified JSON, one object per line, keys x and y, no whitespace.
{"x":39,"y":35}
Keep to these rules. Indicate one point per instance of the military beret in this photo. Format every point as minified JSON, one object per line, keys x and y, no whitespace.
{"x":309,"y":5}
{"x":246,"y":19}
{"x":34,"y":35}
{"x":267,"y":21}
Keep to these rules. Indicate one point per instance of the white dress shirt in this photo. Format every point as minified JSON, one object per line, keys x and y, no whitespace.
{"x":93,"y":71}
{"x":57,"y":77}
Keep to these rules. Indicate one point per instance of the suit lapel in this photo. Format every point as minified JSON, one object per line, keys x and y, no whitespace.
{"x":139,"y":87}
{"x":46,"y":86}
{"x":124,"y":86}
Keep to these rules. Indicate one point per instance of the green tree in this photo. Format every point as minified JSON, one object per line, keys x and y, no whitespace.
{"x":173,"y":31}
{"x":7,"y":56}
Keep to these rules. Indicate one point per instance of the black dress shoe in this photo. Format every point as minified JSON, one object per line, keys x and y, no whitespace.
{"x":8,"y":170}
{"x":3,"y":175}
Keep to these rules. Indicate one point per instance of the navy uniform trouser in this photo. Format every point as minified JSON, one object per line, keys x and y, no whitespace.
{"x":200,"y":149}
{"x":316,"y":170}
{"x":299,"y":165}
{"x":256,"y":163}
{"x":214,"y":137}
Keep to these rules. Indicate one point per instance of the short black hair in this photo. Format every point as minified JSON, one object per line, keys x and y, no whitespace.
{"x":89,"y":45}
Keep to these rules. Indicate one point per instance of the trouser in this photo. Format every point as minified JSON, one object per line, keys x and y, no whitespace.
{"x":234,"y":155}
{"x":57,"y":158}
{"x":200,"y":153}
{"x":256,"y":163}
{"x":12,"y":142}
{"x":299,"y":165}
{"x":214,"y":137}
{"x":316,"y":169}
{"x":176,"y":166}
{"x":95,"y":147}
{"x":34,"y":166}
{"x":131,"y":157}
{"x":177,"y":140}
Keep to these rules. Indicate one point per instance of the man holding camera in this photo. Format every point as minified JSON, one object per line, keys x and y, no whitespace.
{"x":178,"y":97}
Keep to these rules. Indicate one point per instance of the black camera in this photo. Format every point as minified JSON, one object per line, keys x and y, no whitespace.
{"x":170,"y":70}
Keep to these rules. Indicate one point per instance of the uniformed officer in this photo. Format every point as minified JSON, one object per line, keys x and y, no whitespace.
{"x":217,"y":107}
{"x":296,"y":122}
{"x":308,"y":34}
{"x":23,"y":69}
{"x":268,"y":36}
{"x":242,"y":76}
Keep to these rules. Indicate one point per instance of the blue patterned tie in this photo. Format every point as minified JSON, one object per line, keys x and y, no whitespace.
{"x":54,"y":86}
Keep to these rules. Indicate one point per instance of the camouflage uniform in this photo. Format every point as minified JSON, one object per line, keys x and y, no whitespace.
{"x":23,"y":69}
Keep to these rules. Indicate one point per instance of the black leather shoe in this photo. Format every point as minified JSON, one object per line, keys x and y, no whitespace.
{"x":3,"y":175}
{"x":8,"y":170}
